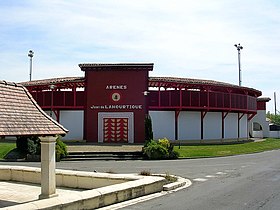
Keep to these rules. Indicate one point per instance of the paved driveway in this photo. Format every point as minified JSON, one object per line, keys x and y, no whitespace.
{"x":237,"y":182}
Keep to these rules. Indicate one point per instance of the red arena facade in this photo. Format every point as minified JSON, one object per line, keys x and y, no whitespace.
{"x":109,"y":105}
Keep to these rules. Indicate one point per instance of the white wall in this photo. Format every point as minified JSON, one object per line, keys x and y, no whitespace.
{"x":258,"y":134}
{"x":243,"y":128}
{"x":163,"y":123}
{"x":274,"y":134}
{"x":189,"y":126}
{"x":73,"y":121}
{"x":261,"y":119}
{"x":231,"y":126}
{"x":212,"y":128}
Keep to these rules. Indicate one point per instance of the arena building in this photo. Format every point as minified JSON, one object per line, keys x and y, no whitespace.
{"x":109,"y":105}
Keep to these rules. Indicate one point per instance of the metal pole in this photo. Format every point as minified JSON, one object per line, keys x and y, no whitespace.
{"x":275,"y":110}
{"x":30,"y":54}
{"x":239,"y":47}
{"x":239,"y":67}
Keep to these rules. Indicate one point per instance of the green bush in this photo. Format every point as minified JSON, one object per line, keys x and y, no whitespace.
{"x":164,"y":142}
{"x":148,"y":128}
{"x":61,"y":149}
{"x":161,"y":149}
{"x":156,"y":151}
{"x":31,"y":145}
{"x":28,"y":144}
{"x":21,"y":143}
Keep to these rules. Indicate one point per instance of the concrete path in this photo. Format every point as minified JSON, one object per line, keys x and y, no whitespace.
{"x":12,"y":193}
{"x":102,"y":148}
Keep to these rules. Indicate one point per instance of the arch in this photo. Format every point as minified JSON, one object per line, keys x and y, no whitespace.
{"x":257,"y":130}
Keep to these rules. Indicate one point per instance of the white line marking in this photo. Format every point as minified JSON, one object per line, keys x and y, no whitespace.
{"x":210,"y":176}
{"x":200,"y":180}
{"x":221,"y":173}
{"x":229,"y":170}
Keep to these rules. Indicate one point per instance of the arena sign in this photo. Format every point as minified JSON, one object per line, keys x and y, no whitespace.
{"x":125,"y":106}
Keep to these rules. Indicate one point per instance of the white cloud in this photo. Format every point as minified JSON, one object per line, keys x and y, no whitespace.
{"x":188,"y":38}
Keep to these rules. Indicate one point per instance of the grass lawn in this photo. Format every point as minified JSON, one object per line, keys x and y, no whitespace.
{"x":5,"y":148}
{"x":226,"y":150}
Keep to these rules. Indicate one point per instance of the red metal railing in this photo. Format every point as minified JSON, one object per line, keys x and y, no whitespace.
{"x":159,"y":100}
{"x":201,"y":100}
{"x":60,"y":99}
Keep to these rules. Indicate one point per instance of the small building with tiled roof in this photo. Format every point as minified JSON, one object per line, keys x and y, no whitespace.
{"x":109,"y":105}
{"x":21,"y":115}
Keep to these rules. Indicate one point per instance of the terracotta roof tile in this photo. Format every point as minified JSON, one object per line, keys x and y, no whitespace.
{"x":153,"y":82}
{"x":55,"y":81}
{"x":21,"y":115}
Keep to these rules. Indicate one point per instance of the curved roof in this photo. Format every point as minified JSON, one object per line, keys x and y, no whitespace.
{"x":166,"y":82}
{"x":175,"y":82}
{"x":21,"y":115}
{"x":63,"y":82}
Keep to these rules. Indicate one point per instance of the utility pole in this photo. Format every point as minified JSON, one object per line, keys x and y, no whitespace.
{"x":239,"y":47}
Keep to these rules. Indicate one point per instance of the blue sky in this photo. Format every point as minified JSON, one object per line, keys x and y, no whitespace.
{"x":183,"y":38}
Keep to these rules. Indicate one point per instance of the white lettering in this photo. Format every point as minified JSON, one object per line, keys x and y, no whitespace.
{"x":124,"y":106}
{"x":116,"y":87}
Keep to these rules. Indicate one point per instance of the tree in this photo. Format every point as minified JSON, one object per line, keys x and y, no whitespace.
{"x":148,"y":128}
{"x":275,"y":119}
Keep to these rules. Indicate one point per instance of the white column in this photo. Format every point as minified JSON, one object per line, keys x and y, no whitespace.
{"x":48,"y":182}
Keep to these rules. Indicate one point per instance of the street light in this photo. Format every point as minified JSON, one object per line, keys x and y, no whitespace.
{"x":239,"y":47}
{"x":30,"y":54}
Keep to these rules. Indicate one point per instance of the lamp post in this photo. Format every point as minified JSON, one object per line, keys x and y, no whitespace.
{"x":30,"y":54}
{"x":239,"y":47}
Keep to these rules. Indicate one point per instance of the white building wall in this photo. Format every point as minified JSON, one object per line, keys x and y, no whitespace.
{"x":212,"y":128}
{"x":231,"y":127}
{"x":243,"y":128}
{"x":189,"y":126}
{"x":274,"y":134}
{"x":163,"y":123}
{"x":73,"y":121}
{"x":261,"y":119}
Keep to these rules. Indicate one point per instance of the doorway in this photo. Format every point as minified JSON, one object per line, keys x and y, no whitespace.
{"x":115,"y":127}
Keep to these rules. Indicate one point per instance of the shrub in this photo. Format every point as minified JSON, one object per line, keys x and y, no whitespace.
{"x":21,"y":143}
{"x":31,"y":145}
{"x":156,"y":151}
{"x":159,"y":150}
{"x":173,"y":154}
{"x":28,"y":144}
{"x":164,"y":142}
{"x":60,"y":149}
{"x":148,"y":128}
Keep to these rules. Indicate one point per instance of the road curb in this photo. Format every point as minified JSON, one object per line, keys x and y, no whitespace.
{"x":181,"y":182}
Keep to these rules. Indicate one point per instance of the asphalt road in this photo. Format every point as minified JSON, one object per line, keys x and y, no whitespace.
{"x":237,"y":182}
